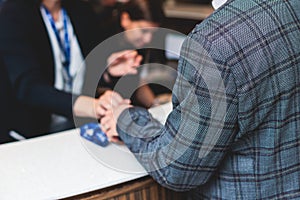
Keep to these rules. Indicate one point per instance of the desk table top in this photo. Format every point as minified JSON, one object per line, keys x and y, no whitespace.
{"x":62,"y":165}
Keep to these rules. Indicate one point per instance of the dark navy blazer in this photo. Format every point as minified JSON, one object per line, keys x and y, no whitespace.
{"x":27,"y":54}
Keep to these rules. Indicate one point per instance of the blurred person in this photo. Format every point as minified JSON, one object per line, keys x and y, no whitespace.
{"x":43,"y":46}
{"x":138,"y":18}
{"x":137,"y":21}
{"x":233,"y":132}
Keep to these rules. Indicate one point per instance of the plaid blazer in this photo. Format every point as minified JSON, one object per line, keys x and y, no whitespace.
{"x":234,"y":131}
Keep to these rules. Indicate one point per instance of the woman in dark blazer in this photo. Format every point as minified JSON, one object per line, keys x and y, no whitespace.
{"x":30,"y":58}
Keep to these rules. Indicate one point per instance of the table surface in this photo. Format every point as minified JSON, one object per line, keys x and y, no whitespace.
{"x":62,"y":165}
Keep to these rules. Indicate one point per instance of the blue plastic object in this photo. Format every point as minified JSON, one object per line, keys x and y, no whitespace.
{"x":93,"y":133}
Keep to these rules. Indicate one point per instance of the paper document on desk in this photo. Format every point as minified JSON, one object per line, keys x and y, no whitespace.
{"x":161,"y":112}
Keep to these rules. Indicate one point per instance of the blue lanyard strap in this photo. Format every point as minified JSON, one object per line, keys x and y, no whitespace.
{"x":65,"y":48}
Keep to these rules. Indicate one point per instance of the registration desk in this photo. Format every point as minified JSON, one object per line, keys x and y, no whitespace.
{"x":64,"y":165}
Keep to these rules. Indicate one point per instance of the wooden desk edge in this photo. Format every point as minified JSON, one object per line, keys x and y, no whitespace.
{"x":143,"y":188}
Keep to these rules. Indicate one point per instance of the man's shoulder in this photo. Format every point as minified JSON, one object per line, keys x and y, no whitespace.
{"x":232,"y":16}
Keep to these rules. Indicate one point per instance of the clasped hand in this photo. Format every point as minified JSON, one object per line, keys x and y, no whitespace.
{"x":111,"y":115}
{"x":119,"y":64}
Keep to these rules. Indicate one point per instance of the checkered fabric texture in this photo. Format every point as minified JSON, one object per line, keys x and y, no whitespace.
{"x":234,"y":132}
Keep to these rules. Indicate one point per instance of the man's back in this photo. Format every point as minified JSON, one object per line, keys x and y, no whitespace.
{"x":234,"y":131}
{"x":258,"y":42}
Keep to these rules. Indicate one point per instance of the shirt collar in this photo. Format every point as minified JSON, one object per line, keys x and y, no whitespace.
{"x":218,"y":3}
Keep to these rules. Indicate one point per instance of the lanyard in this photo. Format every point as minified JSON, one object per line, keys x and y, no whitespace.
{"x":65,"y":48}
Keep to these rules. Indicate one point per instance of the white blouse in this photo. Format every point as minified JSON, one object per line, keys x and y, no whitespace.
{"x":77,"y":66}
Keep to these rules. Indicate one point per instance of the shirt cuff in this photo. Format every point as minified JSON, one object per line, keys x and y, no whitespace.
{"x":132,"y":121}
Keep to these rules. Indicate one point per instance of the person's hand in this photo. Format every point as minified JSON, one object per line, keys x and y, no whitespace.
{"x":123,"y":63}
{"x":108,"y":121}
{"x":86,"y":106}
{"x":107,"y":101}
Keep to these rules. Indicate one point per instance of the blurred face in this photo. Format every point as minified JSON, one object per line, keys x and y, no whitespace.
{"x":139,"y":32}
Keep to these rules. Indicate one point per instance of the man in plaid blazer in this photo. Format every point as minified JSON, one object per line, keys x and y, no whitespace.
{"x":234,"y":131}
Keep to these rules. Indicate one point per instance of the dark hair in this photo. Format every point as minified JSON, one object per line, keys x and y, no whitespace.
{"x":149,"y":10}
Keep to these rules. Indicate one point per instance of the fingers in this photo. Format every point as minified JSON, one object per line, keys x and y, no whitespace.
{"x":138,"y":60}
{"x":135,"y":63}
{"x":116,"y":98}
{"x":131,"y":65}
{"x":105,"y":127}
{"x":106,"y":120}
{"x":109,"y":119}
{"x":124,"y":62}
{"x":126,"y":54}
{"x":113,"y":136}
{"x":115,"y":140}
{"x":102,"y":106}
{"x":109,"y":126}
{"x":134,"y":59}
{"x":100,"y":111}
{"x":126,"y":101}
{"x":130,"y":53}
{"x":107,"y":101}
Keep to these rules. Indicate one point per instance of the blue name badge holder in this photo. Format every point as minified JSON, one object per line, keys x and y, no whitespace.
{"x":93,"y":133}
